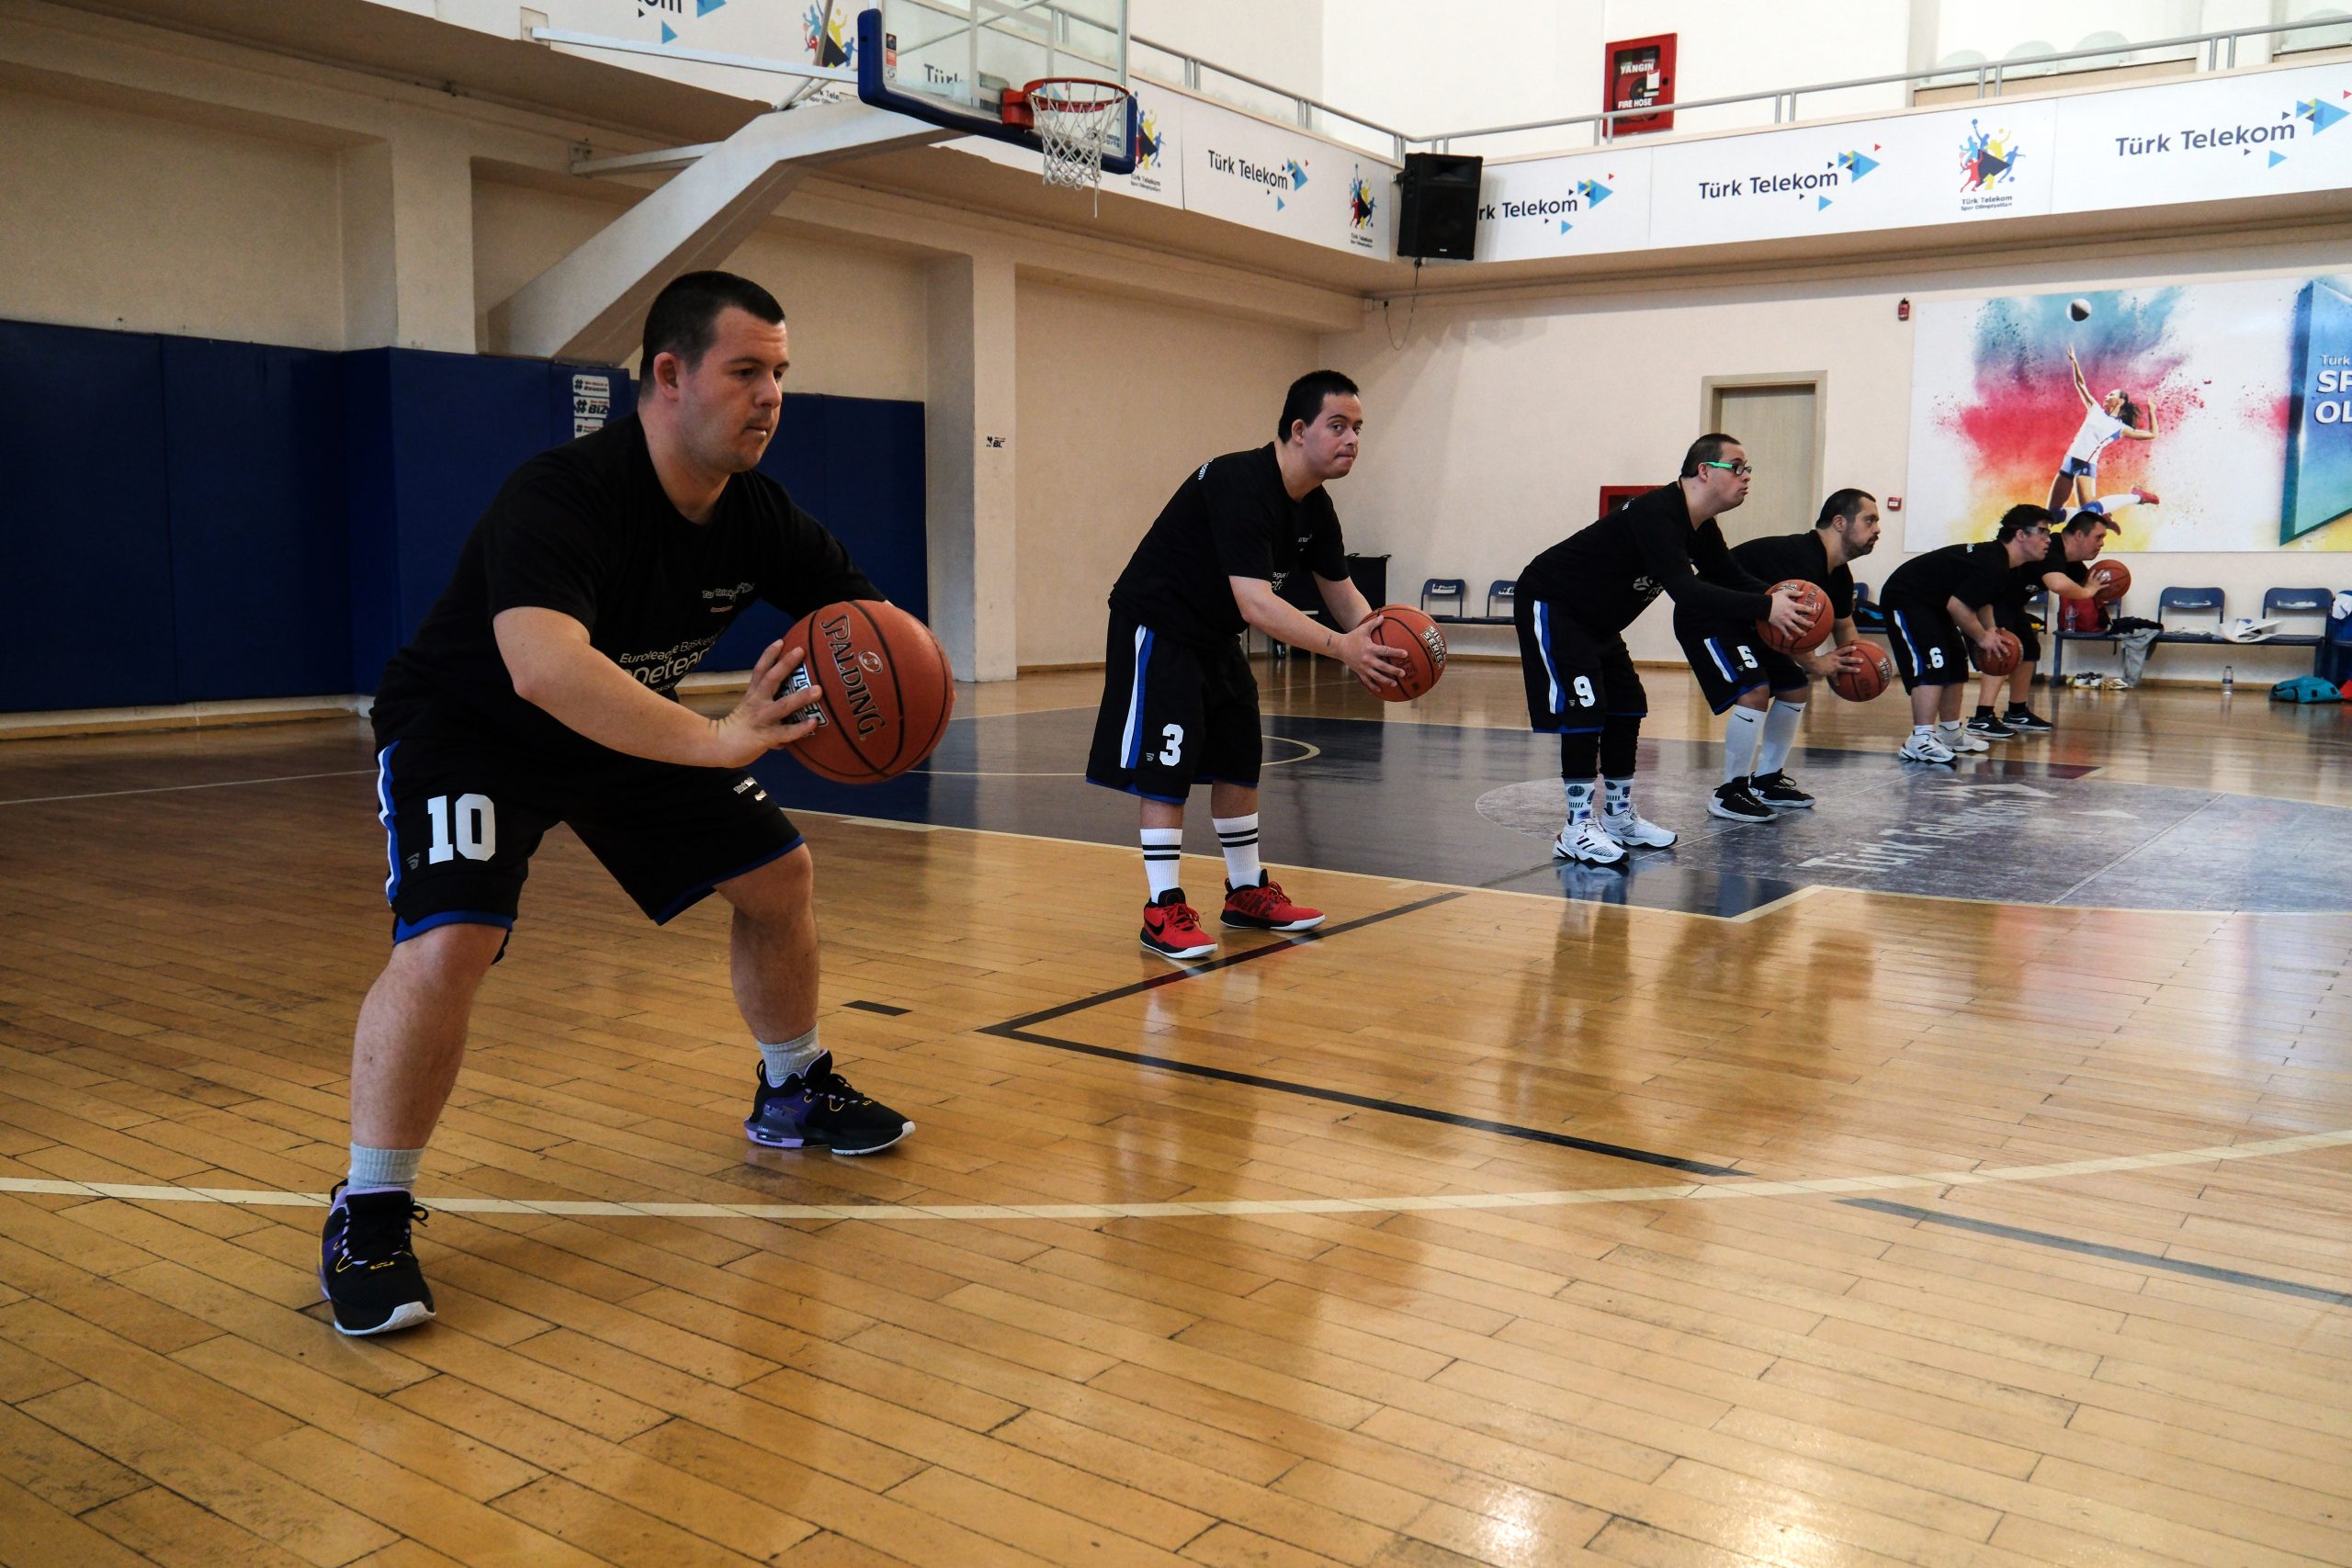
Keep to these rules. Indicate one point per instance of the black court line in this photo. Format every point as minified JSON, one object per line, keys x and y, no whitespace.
{"x":1020,"y":1029}
{"x":2098,"y":1249}
{"x":885,"y":1008}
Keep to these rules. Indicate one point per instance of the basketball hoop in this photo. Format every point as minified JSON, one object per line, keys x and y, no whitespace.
{"x":1072,"y":114}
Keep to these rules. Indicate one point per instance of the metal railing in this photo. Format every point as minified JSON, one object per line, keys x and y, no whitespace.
{"x":2219,"y":53}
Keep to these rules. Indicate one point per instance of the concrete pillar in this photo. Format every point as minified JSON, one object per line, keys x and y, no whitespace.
{"x":408,"y":244}
{"x":969,"y":455}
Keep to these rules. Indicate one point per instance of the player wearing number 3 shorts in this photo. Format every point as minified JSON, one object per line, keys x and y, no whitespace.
{"x":1180,"y":705}
{"x":1575,"y":601}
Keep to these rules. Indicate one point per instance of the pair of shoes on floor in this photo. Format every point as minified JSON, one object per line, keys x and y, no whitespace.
{"x":367,"y":1268}
{"x":1758,"y":799}
{"x":1923,"y":747}
{"x":1171,"y":928}
{"x":1603,"y":840}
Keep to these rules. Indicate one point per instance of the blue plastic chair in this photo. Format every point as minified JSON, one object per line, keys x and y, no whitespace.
{"x":1505,"y":592}
{"x":1442,"y":589}
{"x":2202,"y":601}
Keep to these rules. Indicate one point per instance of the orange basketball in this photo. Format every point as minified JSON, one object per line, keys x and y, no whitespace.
{"x":1873,"y":677}
{"x":1415,"y":636}
{"x":2110,"y":580}
{"x":886,"y":689}
{"x":2003,"y":656}
{"x":1818,"y":618}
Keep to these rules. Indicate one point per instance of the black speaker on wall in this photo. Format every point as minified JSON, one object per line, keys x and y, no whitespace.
{"x":1437,"y":205}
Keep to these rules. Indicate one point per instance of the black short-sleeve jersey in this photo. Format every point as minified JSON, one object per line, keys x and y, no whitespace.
{"x":1231,"y":517}
{"x":1780,"y":557}
{"x":586,"y":528}
{"x":1606,"y":574}
{"x":1973,"y":574}
{"x":2026,"y":580}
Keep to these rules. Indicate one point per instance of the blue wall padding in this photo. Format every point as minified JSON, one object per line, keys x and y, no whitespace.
{"x":856,"y":465}
{"x":86,"y":547}
{"x":259,"y":549}
{"x":184,"y":520}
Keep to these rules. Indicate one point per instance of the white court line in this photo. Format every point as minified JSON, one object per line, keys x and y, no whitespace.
{"x":1213,"y":1208}
{"x":168,"y":789}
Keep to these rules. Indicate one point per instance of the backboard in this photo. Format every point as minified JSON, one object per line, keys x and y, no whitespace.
{"x":951,"y":62}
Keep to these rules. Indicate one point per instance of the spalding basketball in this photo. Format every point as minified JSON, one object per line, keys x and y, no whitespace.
{"x":2003,"y":656}
{"x":1415,"y":636}
{"x":1818,"y":618}
{"x":2110,"y":580}
{"x":885,"y":687}
{"x":1862,"y":684}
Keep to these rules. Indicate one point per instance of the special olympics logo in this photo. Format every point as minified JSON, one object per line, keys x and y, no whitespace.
{"x":1987,"y":159}
{"x":1360,"y":203}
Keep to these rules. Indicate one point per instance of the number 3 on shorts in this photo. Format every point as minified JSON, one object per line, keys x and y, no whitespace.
{"x":1173,"y":752}
{"x":1583,"y":693}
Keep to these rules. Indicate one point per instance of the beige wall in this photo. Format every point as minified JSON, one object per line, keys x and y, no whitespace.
{"x":856,"y":310}
{"x":1116,"y":401}
{"x":1489,"y":434}
{"x":118,"y":219}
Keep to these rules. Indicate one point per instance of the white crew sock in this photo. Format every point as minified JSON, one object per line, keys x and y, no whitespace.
{"x":1238,"y":836}
{"x":1580,"y":793}
{"x":1743,"y":728}
{"x":790,"y":1059}
{"x":1619,"y":794}
{"x":1163,"y":857}
{"x":382,"y":1170}
{"x":1779,"y":734}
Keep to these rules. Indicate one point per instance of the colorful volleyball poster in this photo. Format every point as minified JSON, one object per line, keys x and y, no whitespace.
{"x":2206,"y":417}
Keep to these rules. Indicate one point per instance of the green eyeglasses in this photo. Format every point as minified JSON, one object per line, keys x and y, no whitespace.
{"x":1738,"y":470}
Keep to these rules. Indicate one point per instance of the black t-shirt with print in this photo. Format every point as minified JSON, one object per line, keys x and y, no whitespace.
{"x":1231,"y":517}
{"x":585,"y":528}
{"x":2026,"y":580}
{"x":1606,"y":574}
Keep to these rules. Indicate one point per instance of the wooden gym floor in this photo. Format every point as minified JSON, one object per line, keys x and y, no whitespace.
{"x":1488,"y":1227}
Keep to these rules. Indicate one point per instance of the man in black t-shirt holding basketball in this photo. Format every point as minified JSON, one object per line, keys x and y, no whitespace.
{"x":1179,"y":704}
{"x":1936,"y":612}
{"x":1760,"y":691}
{"x":1574,"y":603}
{"x":540,"y":690}
{"x":2066,"y":573}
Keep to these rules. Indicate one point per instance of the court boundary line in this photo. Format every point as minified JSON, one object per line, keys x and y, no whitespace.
{"x":2102,"y":1249}
{"x":1218,"y":1208}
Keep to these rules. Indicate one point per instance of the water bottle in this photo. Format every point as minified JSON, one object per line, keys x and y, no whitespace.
{"x":2228,"y":680}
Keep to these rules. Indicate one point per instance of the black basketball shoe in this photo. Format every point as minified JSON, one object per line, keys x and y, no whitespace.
{"x":817,"y":1109}
{"x":1780,"y":791}
{"x":2025,"y":721}
{"x":1732,"y":802}
{"x":1990,"y":727}
{"x":365,"y":1267}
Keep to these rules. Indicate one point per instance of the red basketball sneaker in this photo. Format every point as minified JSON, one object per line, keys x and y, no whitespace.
{"x":1172,"y":929}
{"x":1264,"y":908}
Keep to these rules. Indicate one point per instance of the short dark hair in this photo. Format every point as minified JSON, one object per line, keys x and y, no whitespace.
{"x":2085,"y":521}
{"x":1304,"y":399}
{"x":1842,"y":503}
{"x":2018,"y":518}
{"x":1708,"y":448}
{"x":685,"y":316}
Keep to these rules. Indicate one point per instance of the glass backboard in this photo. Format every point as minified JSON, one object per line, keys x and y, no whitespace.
{"x":953,"y":63}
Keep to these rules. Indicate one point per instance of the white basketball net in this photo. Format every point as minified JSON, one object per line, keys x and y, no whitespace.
{"x":1072,"y":115}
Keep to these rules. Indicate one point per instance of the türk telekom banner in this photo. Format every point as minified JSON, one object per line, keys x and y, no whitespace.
{"x":2200,"y":417}
{"x":2263,"y":133}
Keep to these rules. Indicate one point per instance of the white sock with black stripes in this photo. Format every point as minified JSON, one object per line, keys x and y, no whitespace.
{"x":1163,"y":856}
{"x":1238,"y":835}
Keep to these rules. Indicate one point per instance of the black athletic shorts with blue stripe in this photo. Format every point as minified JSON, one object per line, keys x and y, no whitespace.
{"x":1576,"y":678}
{"x":1730,"y":659}
{"x":1928,"y":647}
{"x":463,"y":813}
{"x":1174,"y":715}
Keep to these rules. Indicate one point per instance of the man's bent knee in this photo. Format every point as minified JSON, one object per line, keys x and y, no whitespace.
{"x":781,"y":890}
{"x":460,"y":951}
